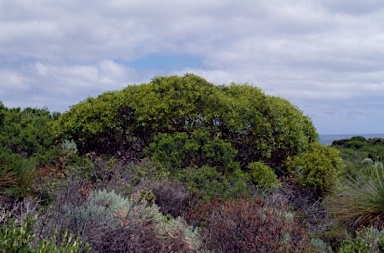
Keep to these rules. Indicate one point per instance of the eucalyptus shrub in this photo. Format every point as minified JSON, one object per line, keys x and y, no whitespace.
{"x":179,"y":109}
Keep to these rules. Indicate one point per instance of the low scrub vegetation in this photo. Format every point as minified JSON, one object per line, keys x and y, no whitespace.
{"x":181,"y":165}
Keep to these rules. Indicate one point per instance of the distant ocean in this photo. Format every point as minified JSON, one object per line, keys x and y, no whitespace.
{"x":328,"y":139}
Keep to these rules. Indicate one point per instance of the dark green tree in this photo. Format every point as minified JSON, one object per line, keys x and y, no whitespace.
{"x":25,"y":132}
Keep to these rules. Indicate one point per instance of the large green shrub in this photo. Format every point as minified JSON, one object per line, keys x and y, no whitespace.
{"x":317,"y":168}
{"x":258,"y":127}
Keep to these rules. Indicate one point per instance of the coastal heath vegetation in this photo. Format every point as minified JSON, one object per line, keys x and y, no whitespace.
{"x":161,"y":166}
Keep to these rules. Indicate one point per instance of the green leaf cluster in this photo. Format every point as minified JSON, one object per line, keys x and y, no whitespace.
{"x":317,"y":168}
{"x":25,"y":132}
{"x":263,"y":176}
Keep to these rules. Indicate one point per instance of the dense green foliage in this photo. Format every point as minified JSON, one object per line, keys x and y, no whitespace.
{"x":317,"y":168}
{"x":358,"y":148}
{"x":263,"y":176}
{"x":25,"y":143}
{"x":177,"y":151}
{"x":25,"y":132}
{"x":258,"y":127}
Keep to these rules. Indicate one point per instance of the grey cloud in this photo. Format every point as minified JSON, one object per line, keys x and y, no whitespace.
{"x":57,"y":53}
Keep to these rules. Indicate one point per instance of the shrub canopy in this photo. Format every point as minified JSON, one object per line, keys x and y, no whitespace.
{"x":240,"y":119}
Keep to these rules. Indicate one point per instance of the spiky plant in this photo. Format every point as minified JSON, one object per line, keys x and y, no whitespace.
{"x":360,"y":200}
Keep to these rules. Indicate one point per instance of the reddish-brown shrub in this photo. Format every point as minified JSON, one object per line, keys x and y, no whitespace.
{"x":251,"y":225}
{"x":172,"y":197}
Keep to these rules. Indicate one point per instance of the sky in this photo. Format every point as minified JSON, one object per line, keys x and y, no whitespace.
{"x":324,"y":56}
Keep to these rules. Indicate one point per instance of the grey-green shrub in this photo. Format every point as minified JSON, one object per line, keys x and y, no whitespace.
{"x":109,"y":208}
{"x":367,"y":162}
{"x":321,"y":246}
{"x":101,"y":207}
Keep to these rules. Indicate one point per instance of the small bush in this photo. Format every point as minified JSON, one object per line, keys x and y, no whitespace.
{"x":317,"y":169}
{"x":321,"y":246}
{"x":106,"y":213}
{"x":367,"y":240}
{"x":16,"y":237}
{"x":250,"y":225}
{"x":366,"y":162}
{"x":263,"y":176}
{"x":101,"y":207}
{"x":16,"y":174}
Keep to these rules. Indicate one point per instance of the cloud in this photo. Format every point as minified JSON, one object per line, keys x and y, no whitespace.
{"x":11,"y":80}
{"x":311,"y":52}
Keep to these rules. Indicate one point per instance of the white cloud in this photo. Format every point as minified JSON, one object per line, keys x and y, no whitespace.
{"x":11,"y":80}
{"x":317,"y":51}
